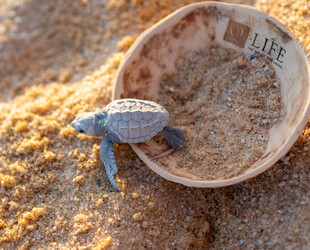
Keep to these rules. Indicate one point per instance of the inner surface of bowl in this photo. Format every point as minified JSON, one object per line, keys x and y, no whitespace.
{"x":162,"y":48}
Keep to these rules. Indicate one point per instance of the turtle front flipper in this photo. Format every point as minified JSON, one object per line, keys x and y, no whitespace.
{"x":173,"y":136}
{"x":107,"y":156}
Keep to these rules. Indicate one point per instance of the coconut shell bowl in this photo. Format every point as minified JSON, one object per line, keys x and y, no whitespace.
{"x":162,"y":48}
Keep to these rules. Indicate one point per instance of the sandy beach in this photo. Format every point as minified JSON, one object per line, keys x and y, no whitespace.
{"x":59,"y":59}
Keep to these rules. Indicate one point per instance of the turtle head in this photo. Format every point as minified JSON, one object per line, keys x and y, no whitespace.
{"x":88,"y":123}
{"x":85,"y":123}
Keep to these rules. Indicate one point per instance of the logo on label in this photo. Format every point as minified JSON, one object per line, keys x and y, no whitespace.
{"x":237,"y":33}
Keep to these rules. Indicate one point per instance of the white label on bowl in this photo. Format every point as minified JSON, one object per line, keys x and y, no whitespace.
{"x":261,"y":45}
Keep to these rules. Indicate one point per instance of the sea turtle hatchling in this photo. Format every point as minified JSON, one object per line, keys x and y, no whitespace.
{"x":126,"y":121}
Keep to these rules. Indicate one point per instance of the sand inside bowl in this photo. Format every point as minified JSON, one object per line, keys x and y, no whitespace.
{"x":225,"y":103}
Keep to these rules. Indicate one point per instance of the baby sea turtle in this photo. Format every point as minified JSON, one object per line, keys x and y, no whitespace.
{"x":126,"y":121}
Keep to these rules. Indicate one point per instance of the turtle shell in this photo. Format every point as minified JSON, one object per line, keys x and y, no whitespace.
{"x":134,"y":120}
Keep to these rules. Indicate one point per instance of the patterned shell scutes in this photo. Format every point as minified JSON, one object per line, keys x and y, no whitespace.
{"x":135,"y":120}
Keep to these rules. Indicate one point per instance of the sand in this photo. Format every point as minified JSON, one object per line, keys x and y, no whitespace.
{"x":225,"y":104}
{"x":58,"y":59}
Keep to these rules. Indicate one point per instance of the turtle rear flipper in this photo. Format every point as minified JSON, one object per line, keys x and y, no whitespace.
{"x":173,"y":136}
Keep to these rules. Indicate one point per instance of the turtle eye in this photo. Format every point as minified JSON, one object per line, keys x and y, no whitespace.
{"x":81,"y":131}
